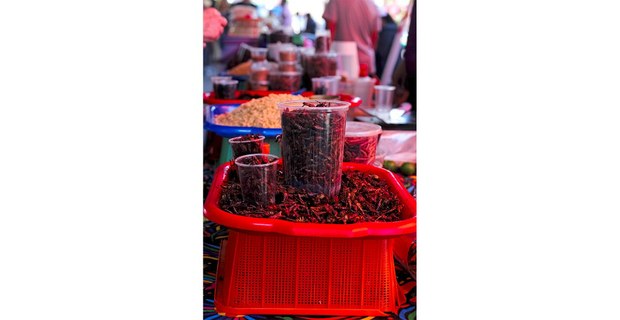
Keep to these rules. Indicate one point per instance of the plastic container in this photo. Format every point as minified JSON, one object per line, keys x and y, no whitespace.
{"x":289,"y":67}
{"x":332,"y":84}
{"x":288,"y":54}
{"x":257,"y":176}
{"x":384,"y":95}
{"x":225,"y":89}
{"x":363,"y":89}
{"x":323,"y":41}
{"x":285,"y":81}
{"x":320,"y":85}
{"x":271,"y":266}
{"x":360,"y":142}
{"x":258,"y":54}
{"x":313,"y":143}
{"x":242,"y":146}
{"x":321,"y":65}
{"x":259,"y":71}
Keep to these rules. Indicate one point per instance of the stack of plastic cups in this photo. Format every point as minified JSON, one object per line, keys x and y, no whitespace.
{"x":259,"y":71}
{"x":313,"y":144}
{"x":288,"y":76}
{"x":363,"y":89}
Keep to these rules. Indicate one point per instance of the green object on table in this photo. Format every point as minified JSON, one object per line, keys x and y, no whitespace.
{"x":226,"y":151}
{"x":297,"y":40}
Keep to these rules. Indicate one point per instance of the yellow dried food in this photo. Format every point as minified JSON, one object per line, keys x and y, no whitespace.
{"x":261,"y":113}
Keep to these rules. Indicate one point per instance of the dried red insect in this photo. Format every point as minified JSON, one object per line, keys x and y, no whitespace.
{"x":247,"y":144}
{"x":363,"y":197}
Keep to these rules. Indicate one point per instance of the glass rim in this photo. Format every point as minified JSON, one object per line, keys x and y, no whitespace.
{"x":273,"y":159}
{"x":235,"y":139}
{"x":261,"y":50}
{"x":333,"y":105}
{"x":218,"y":79}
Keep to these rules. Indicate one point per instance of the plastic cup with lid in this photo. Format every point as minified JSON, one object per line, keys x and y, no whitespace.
{"x":360,"y":143}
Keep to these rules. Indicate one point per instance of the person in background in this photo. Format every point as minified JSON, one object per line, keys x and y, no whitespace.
{"x":404,"y":76}
{"x":272,"y":22}
{"x":283,"y":13}
{"x":358,"y":21}
{"x":386,"y":37}
{"x":410,"y":59}
{"x":213,"y":25}
{"x":310,"y":24}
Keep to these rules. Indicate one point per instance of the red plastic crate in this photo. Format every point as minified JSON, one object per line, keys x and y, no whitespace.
{"x":270,"y":266}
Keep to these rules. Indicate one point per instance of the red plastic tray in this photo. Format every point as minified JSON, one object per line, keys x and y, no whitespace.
{"x":357,"y":230}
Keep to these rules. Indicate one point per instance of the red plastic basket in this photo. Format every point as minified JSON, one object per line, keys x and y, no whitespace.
{"x":270,"y":266}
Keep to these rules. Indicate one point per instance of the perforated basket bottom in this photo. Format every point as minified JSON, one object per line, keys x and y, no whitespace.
{"x":277,"y":274}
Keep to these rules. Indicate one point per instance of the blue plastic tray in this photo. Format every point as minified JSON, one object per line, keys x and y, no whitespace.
{"x":227,"y":131}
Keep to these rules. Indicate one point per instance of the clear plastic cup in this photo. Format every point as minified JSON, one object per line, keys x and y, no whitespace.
{"x":332,"y":85}
{"x":225,"y":89}
{"x":259,"y":72}
{"x":258,"y":178}
{"x":313,"y":144}
{"x":258,"y":54}
{"x":384,"y":95}
{"x":360,"y":142}
{"x":285,"y":81}
{"x":320,"y":85}
{"x":216,"y":79}
{"x":244,"y":145}
{"x":363,"y":89}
